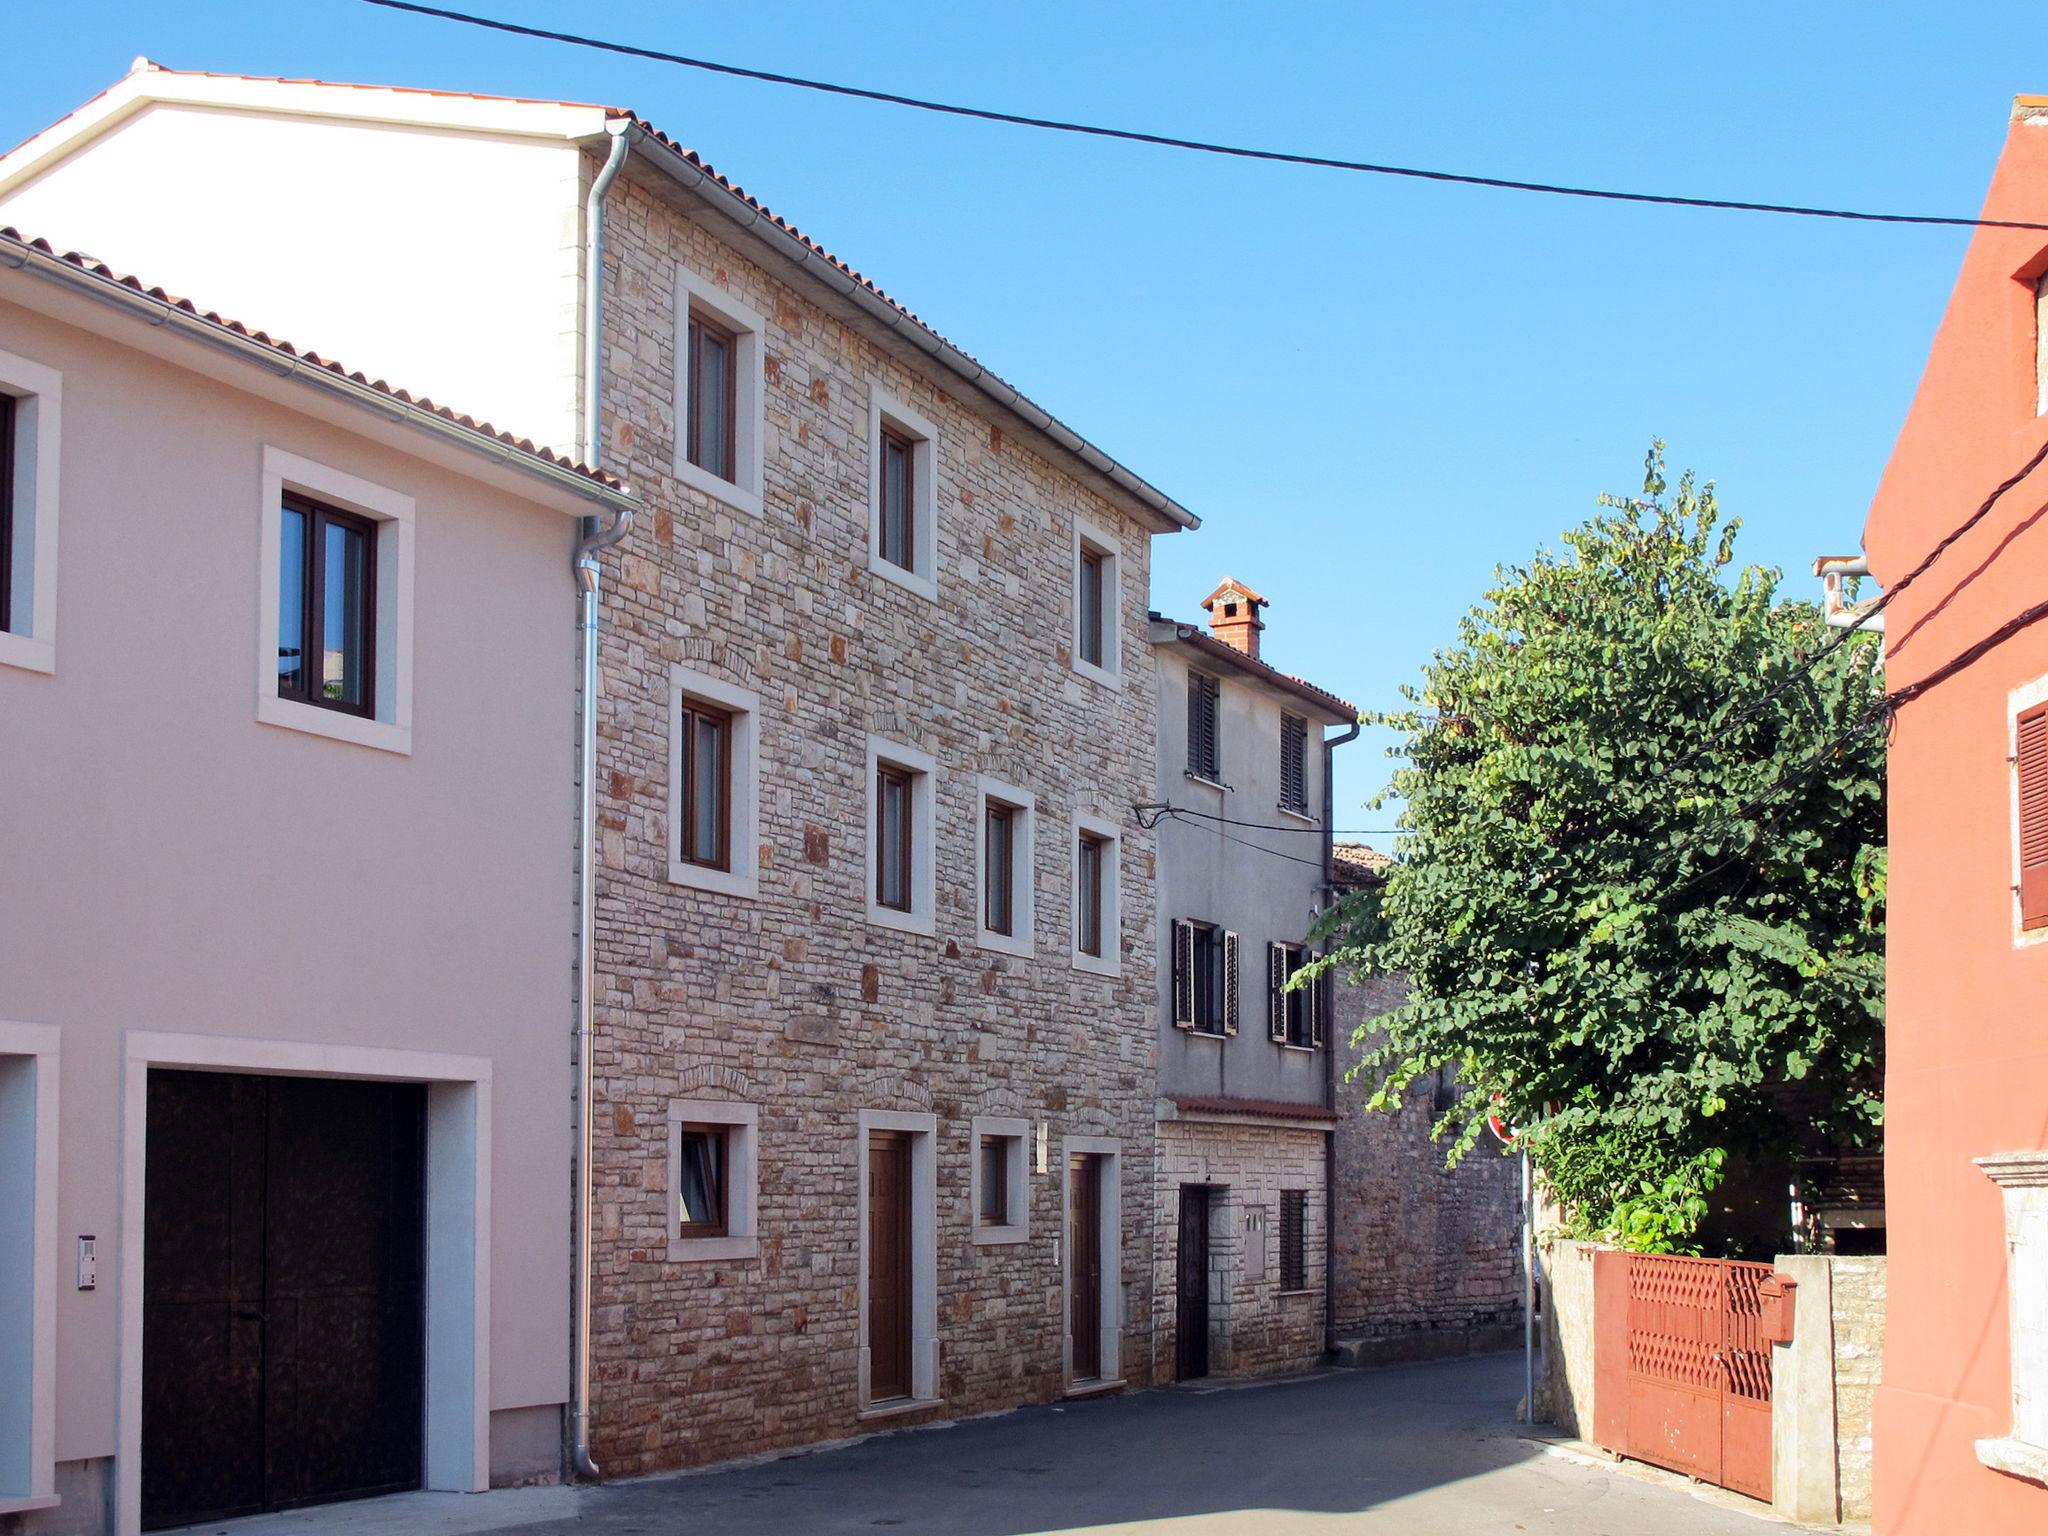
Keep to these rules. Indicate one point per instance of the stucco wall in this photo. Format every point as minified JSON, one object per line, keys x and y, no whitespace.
{"x":177,"y":866}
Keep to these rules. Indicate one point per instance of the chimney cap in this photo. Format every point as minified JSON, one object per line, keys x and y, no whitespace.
{"x":1233,"y":588}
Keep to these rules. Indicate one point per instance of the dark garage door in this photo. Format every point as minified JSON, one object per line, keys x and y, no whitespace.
{"x":282,"y":1293}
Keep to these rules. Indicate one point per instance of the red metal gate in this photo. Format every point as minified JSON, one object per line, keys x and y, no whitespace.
{"x":1682,"y":1365}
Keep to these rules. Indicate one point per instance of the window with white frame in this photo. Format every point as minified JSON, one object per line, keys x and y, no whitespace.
{"x":899,"y":841}
{"x":1098,"y":606}
{"x":1294,"y":1014}
{"x":713,"y":1179}
{"x":1205,"y":978}
{"x":718,"y":390}
{"x":713,"y":784}
{"x":903,"y":494}
{"x":1097,"y":923}
{"x":1005,"y":836}
{"x":998,"y":1187}
{"x":2022,"y":1179}
{"x":2041,"y":345}
{"x":29,"y":1055}
{"x":334,"y":638}
{"x":31,"y":404}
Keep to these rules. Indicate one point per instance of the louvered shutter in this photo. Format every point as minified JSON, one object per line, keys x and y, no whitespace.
{"x":1318,"y":1000}
{"x":1293,"y":1239}
{"x":1276,"y":992}
{"x":1294,"y":763}
{"x":2031,"y":765}
{"x":1230,"y":987}
{"x":1183,"y":975}
{"x":1202,"y":753}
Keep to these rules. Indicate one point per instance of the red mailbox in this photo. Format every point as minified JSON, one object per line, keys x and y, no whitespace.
{"x":1776,"y":1296}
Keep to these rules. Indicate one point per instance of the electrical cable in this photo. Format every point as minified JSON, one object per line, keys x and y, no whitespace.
{"x":1198,"y":146}
{"x":1160,"y":808}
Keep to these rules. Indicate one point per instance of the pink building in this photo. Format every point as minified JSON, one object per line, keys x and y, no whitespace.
{"x":286,"y":943}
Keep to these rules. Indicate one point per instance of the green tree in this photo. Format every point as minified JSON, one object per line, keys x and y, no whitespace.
{"x":1639,"y":896}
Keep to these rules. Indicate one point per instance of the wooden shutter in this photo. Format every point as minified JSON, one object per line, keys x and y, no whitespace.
{"x":1293,"y":1239}
{"x":2031,"y":766}
{"x":1230,"y":987}
{"x":1202,"y":750}
{"x":1276,"y":992}
{"x":1318,"y":1000}
{"x":1183,"y":974}
{"x":1294,"y":763}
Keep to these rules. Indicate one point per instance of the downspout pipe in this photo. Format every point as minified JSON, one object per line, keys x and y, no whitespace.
{"x":595,"y":536}
{"x":1330,"y":746}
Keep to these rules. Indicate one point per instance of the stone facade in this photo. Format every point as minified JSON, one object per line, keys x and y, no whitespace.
{"x":1859,"y":1315}
{"x":1256,"y":1325}
{"x":791,"y":1000}
{"x":1428,"y":1257}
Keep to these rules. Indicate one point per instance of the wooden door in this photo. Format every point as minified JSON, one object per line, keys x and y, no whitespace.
{"x":889,"y":1372}
{"x":1191,"y":1286}
{"x":283,"y":1293}
{"x":1084,"y":1246}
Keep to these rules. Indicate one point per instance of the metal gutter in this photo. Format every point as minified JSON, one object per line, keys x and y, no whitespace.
{"x":750,"y":219}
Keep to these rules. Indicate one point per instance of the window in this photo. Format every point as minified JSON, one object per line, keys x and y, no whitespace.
{"x":1205,"y":984}
{"x":1293,"y":1239}
{"x":899,"y":860}
{"x":711,"y":434}
{"x":1204,"y":754}
{"x":2030,"y":769}
{"x":998,"y":1180}
{"x":1294,"y":764}
{"x":718,"y":387}
{"x":1097,"y":928}
{"x":1097,"y":604}
{"x":999,"y":914}
{"x":1003,"y":856}
{"x":334,"y":615}
{"x":714,"y":832}
{"x":713,"y":1180}
{"x":700,"y":1180}
{"x":327,"y":606}
{"x":2041,"y":345}
{"x":30,"y":403}
{"x":2020,"y":1177}
{"x":902,"y":495}
{"x":1294,"y":1014}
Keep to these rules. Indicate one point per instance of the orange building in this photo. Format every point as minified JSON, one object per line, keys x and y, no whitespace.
{"x":1961,"y":1438}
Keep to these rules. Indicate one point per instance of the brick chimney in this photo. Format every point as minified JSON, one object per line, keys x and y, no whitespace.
{"x":1234,"y":616}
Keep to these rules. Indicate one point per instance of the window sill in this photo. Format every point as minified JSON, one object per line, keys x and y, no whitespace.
{"x":1301,"y":1050}
{"x":315,"y":721}
{"x":1307,"y":1290}
{"x":723,"y":882}
{"x":1005,"y":943}
{"x":28,"y":653}
{"x":910,"y":581}
{"x":1015,"y":1233}
{"x":685,"y":1250}
{"x":896,"y":1407}
{"x":1101,"y":676}
{"x":1098,"y":965}
{"x":2016,"y":1458}
{"x":1193,"y":777}
{"x":738,"y":497}
{"x":1301,"y":816}
{"x":28,"y":1503}
{"x":903,"y":922}
{"x":1095,"y":1386}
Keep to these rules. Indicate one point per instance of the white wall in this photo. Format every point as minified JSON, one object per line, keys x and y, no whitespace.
{"x":269,"y":219}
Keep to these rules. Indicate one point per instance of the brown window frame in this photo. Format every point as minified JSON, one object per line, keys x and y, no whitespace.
{"x":994,"y":1207}
{"x":887,"y":773}
{"x":1294,"y":764}
{"x":9,"y":416}
{"x":906,"y":558}
{"x":699,"y":327}
{"x":693,"y":711}
{"x":312,"y":606}
{"x":2030,"y":775}
{"x":1091,"y":936}
{"x":1205,"y":707}
{"x":999,"y":877}
{"x":721,"y":1180}
{"x":1293,"y":1239}
{"x":1091,"y":581}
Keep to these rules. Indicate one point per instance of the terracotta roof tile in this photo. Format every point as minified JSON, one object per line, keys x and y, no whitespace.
{"x":10,"y":236}
{"x":1357,"y":863}
{"x":1209,"y":645}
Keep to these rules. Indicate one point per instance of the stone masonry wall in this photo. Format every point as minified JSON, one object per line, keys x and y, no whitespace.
{"x":1254,"y":1326}
{"x":791,"y":1000}
{"x":1859,"y":1312}
{"x":1428,"y":1258}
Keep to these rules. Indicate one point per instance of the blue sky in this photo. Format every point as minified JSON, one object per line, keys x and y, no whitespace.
{"x":1372,"y":391}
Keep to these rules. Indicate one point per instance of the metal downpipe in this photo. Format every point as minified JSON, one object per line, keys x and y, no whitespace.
{"x":1330,"y":746}
{"x":594,"y":540}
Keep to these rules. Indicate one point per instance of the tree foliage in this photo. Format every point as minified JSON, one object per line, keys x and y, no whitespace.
{"x":1639,"y":895}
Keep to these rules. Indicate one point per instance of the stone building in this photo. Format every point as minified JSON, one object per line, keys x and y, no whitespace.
{"x":871,"y":1044}
{"x":1245,"y":1088}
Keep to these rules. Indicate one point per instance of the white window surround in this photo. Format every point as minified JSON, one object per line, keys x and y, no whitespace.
{"x":38,"y":394}
{"x":392,"y":512}
{"x":1111,"y":1242}
{"x":1023,"y":867}
{"x":886,"y":409}
{"x":2022,"y":1178}
{"x":457,"y":1376}
{"x":29,"y":1072}
{"x":693,"y":292}
{"x":743,"y":836}
{"x":1088,"y":536}
{"x":1018,"y":1133}
{"x":1111,"y":961}
{"x":924,"y":1262}
{"x":2017,"y":703}
{"x":924,"y":768}
{"x":742,"y":1179}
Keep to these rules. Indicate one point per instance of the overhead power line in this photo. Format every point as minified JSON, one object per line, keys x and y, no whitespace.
{"x":1197,"y":146}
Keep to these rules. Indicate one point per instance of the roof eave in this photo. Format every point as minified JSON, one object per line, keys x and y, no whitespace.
{"x":1331,"y":709}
